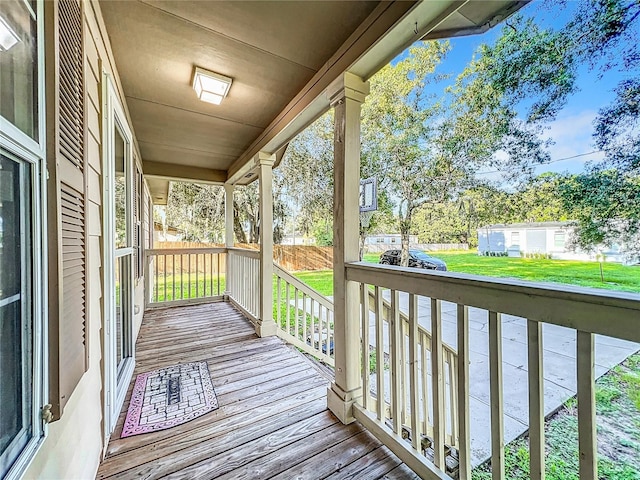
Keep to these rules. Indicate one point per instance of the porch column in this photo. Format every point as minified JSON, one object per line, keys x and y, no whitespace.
{"x":266,"y":326}
{"x":346,"y":95}
{"x":228,"y":233}
{"x":228,"y":215}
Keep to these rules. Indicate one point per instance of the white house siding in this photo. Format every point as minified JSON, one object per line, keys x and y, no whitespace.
{"x":73,"y":445}
{"x":538,"y":238}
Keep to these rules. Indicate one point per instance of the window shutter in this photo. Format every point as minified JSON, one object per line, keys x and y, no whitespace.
{"x":67,"y":208}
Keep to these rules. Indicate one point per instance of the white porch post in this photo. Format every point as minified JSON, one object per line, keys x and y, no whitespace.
{"x":266,"y":326}
{"x":346,"y":95}
{"x":228,"y":215}
{"x":228,"y":233}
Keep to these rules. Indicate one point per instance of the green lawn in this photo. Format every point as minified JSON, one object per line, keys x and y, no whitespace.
{"x":586,"y":274}
{"x":618,"y":422}
{"x":206,"y":286}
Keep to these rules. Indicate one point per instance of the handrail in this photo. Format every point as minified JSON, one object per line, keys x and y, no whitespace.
{"x":303,"y":287}
{"x":183,"y":251}
{"x":244,"y":252}
{"x":567,"y":306}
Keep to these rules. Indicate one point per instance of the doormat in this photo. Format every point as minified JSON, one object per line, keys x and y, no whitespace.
{"x":168,"y":397}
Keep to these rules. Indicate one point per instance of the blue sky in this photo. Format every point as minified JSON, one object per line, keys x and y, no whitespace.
{"x":572,"y":131}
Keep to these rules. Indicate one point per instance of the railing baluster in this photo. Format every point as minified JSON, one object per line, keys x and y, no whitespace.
{"x":464,"y":426}
{"x":536,"y":400}
{"x":218,"y":273}
{"x":181,"y":277}
{"x":165,"y":277}
{"x":157,"y":285}
{"x":424,"y":381}
{"x":379,"y":354}
{"x":587,"y":439}
{"x":279,"y":301}
{"x":313,"y":323}
{"x":189,"y":272}
{"x":404,"y":378}
{"x":496,"y":395}
{"x":437,"y":369}
{"x":396,"y":362}
{"x":287,"y":308}
{"x":197,"y":275}
{"x":305,"y":323}
{"x":366,"y":379}
{"x":295,"y":312}
{"x":453,"y":403}
{"x":173,"y":269}
{"x":413,"y":372}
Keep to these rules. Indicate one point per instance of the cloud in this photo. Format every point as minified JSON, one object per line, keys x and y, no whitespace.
{"x":572,"y":135}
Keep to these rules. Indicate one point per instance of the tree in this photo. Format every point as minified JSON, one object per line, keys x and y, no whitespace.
{"x":606,"y":204}
{"x":541,"y":66}
{"x":395,"y":129}
{"x":196,"y":210}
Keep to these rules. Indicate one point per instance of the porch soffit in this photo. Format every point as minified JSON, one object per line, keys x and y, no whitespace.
{"x":269,"y":49}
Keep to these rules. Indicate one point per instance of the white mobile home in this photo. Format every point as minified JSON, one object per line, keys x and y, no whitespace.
{"x":548,"y":238}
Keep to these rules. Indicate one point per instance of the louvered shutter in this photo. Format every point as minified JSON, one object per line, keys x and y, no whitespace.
{"x":67,"y":208}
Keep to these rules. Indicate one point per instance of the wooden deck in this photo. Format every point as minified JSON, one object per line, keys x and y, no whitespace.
{"x":272,"y":421}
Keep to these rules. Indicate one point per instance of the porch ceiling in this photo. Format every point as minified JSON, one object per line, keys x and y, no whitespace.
{"x":269,"y":49}
{"x":281,"y":56}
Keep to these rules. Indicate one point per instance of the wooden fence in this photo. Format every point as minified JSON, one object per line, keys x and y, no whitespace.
{"x":293,"y":258}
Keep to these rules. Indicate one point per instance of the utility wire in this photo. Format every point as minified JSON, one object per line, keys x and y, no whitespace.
{"x":556,"y":160}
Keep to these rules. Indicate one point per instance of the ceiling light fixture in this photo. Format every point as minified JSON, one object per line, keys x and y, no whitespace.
{"x":209,"y":86}
{"x":8,"y":38}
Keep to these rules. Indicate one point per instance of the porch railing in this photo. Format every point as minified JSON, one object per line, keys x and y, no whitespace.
{"x":185,"y":275}
{"x":392,"y":327}
{"x":418,"y":386}
{"x":243,"y":277}
{"x":303,"y":316}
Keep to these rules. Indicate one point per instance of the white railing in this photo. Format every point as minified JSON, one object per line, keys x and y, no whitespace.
{"x":303,"y":316}
{"x":588,"y":311}
{"x":185,"y":275}
{"x":243,"y":280}
{"x":392,"y":328}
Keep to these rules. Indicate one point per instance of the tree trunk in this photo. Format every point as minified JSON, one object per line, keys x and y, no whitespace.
{"x":237,"y":226}
{"x":405,"y":227}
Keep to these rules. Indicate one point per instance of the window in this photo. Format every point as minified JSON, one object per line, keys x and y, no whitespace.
{"x":18,"y":66}
{"x":21,"y":240}
{"x":559,"y":239}
{"x":16,"y":328}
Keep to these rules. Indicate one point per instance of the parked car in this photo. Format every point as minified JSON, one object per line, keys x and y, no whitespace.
{"x":417,"y":259}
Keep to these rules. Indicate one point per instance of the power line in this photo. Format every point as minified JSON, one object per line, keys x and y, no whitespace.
{"x":550,"y":161}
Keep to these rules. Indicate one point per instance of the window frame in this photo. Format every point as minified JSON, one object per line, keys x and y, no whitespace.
{"x":15,"y":143}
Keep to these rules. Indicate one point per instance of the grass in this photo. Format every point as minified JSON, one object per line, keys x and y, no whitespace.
{"x":585,"y":274}
{"x":618,"y":422}
{"x":205,"y":286}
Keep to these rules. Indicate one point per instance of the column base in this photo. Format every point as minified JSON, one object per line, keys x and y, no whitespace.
{"x":266,"y":329}
{"x":341,"y":403}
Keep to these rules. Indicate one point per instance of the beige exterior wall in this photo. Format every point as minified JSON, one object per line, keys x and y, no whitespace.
{"x":74,"y":444}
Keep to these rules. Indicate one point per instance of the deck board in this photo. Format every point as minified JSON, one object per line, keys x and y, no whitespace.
{"x":272,"y":421}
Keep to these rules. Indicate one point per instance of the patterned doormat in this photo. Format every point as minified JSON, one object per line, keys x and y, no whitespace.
{"x":168,"y":397}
